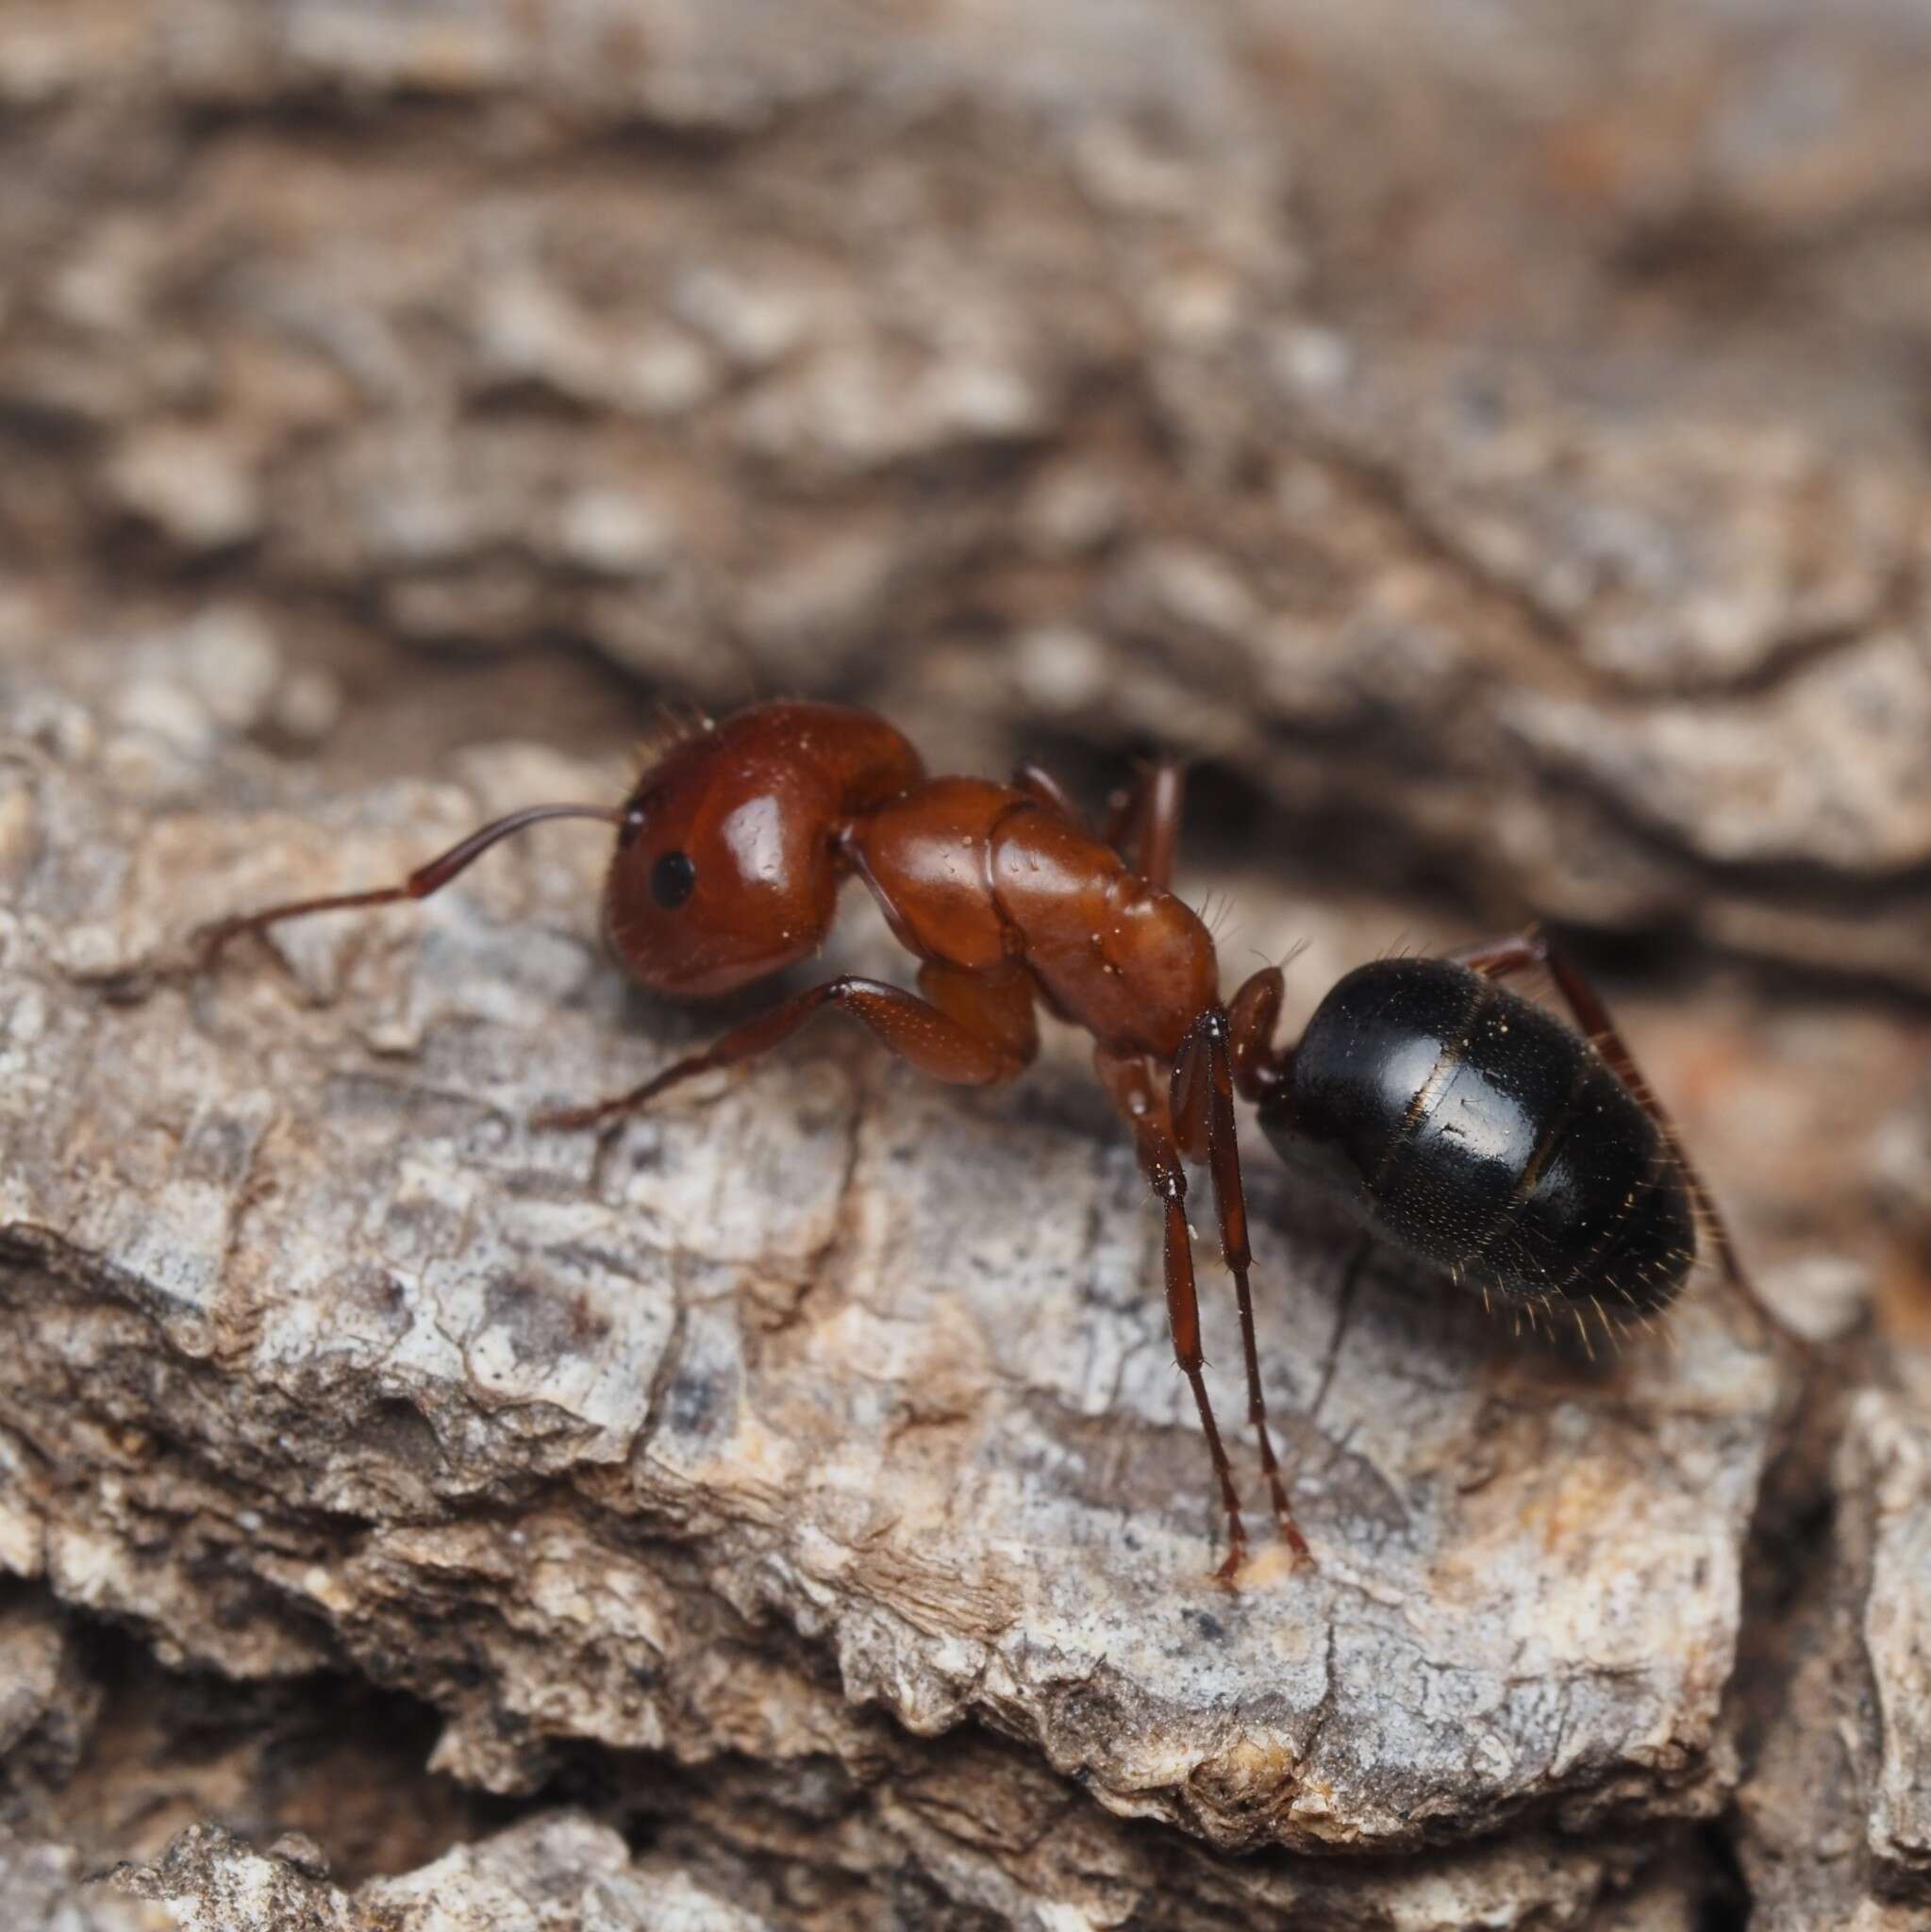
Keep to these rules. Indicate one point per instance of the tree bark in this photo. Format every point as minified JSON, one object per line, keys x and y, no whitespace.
{"x":1493,"y":458}
{"x":807,"y":1413}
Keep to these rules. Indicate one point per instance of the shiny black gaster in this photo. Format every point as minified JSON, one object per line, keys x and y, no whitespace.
{"x":1466,"y":1125}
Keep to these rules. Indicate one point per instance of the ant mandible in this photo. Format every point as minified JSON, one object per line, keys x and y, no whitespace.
{"x":730,"y":852}
{"x":1454,"y":1119}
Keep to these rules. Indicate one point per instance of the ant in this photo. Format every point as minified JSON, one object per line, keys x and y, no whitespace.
{"x":1463,"y":1123}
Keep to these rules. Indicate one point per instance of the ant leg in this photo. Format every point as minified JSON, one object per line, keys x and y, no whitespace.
{"x":1531,"y":947}
{"x":1039,"y":784}
{"x":1143,"y":821}
{"x":1125,"y":1077}
{"x":1202,"y":1110}
{"x":214,"y":938}
{"x":1252,"y":1014}
{"x":1143,"y":824}
{"x":971,"y":1036}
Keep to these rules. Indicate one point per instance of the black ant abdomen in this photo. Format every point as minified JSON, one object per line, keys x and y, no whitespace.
{"x":1470,"y":1129}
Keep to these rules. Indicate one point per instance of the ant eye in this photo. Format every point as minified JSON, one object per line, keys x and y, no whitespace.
{"x":671,"y":880}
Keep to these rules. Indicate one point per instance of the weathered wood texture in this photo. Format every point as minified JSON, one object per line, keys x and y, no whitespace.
{"x":1488,"y":435}
{"x":1836,"y":1810}
{"x":825,"y":1390}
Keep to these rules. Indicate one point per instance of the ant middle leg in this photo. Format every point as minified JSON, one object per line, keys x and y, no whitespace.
{"x":1532,"y":948}
{"x":1202,"y":1115}
{"x":1127,"y":1079}
{"x":972,"y":1030}
{"x":1142,"y":822}
{"x":1038,"y":783}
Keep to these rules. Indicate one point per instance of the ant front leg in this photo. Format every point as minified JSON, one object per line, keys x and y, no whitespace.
{"x":1203,"y":1114}
{"x":973,"y":1031}
{"x":1532,"y":948}
{"x":1127,"y":1079}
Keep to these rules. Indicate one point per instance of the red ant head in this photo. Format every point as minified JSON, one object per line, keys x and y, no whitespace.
{"x":728,"y":864}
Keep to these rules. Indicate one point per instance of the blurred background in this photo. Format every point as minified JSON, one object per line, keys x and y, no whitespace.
{"x":1490,"y":440}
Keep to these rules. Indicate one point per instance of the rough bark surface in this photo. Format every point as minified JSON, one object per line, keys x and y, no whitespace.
{"x":543,"y":1877}
{"x":1836,"y":1810}
{"x":1487,"y":435}
{"x":696,"y":1437}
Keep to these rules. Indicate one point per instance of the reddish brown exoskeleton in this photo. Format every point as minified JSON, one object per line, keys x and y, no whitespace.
{"x":730,"y":853}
